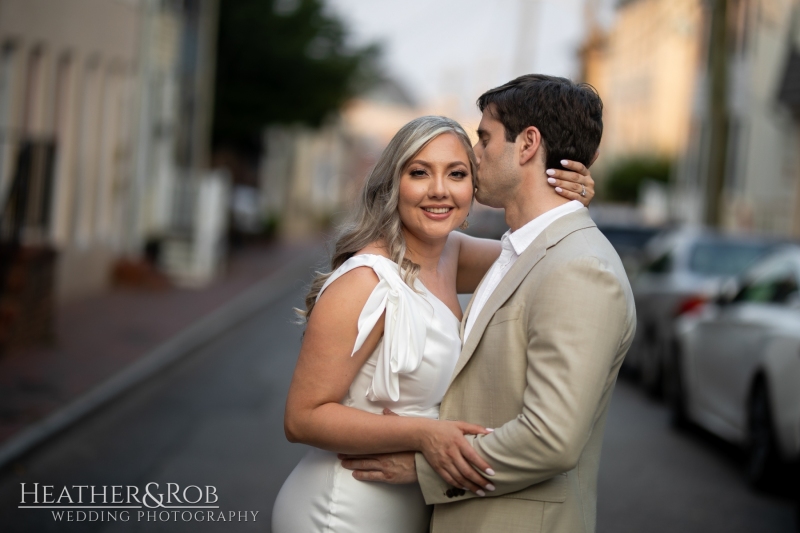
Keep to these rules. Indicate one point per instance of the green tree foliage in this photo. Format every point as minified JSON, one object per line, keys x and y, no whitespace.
{"x":281,"y":61}
{"x":626,"y":176}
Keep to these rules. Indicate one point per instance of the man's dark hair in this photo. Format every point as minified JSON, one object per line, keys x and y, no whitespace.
{"x":568,"y":115}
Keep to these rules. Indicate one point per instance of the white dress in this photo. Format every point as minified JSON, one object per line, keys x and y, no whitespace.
{"x":408,"y":372}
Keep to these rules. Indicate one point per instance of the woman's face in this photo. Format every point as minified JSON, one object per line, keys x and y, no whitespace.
{"x":436,"y":189}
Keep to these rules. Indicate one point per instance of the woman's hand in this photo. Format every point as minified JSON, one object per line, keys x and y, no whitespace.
{"x":570,"y":183}
{"x":451,"y":455}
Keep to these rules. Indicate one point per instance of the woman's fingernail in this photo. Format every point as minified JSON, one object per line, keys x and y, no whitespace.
{"x":551,"y":181}
{"x":564,"y":162}
{"x":551,"y":172}
{"x":489,"y":487}
{"x":465,"y":488}
{"x":480,"y":493}
{"x":489,"y":472}
{"x":559,"y":189}
{"x":490,"y":429}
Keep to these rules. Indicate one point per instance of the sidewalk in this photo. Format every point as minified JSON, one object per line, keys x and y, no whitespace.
{"x":99,"y":339}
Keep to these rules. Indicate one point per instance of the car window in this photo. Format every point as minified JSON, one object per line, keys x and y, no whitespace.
{"x":661,"y":265}
{"x":774,"y":283}
{"x":723,"y":258}
{"x":628,"y":237}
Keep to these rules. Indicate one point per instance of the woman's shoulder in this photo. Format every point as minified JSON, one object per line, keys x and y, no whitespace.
{"x":353,"y":284}
{"x":360,"y":273}
{"x":376,"y":257}
{"x":373,"y":249}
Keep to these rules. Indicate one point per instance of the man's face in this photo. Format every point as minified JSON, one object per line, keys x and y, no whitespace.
{"x":498,"y":172}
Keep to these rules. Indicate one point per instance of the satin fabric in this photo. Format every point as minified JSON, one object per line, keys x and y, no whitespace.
{"x":408,"y":372}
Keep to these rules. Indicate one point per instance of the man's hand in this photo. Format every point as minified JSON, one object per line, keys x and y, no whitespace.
{"x":395,"y":468}
{"x":450,"y":454}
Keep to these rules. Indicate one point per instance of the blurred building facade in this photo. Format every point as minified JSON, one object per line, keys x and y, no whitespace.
{"x":652,"y":70}
{"x":644,"y":68}
{"x":761,"y":188}
{"x":789,"y":96}
{"x":122,"y":88}
{"x":309,"y":178}
{"x":104,"y":107}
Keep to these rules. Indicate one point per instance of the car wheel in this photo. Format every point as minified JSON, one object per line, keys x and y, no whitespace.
{"x":675,"y":391}
{"x":797,"y":510}
{"x":762,"y":455}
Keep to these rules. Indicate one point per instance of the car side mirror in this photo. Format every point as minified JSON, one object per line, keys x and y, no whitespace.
{"x":722,"y":300}
{"x":727,"y":292}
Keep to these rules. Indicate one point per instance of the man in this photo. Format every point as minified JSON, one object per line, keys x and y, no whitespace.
{"x":545,"y":333}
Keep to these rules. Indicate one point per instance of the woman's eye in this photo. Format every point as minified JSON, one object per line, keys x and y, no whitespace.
{"x":459,"y":174}
{"x":417,"y":173}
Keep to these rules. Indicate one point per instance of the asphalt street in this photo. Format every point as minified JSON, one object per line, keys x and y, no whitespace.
{"x":215,"y":419}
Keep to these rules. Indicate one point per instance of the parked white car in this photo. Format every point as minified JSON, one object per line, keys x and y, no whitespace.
{"x":736,"y":371}
{"x":684,"y":268}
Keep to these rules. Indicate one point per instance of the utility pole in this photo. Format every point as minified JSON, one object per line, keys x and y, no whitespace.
{"x":718,"y":118}
{"x":527,"y":37}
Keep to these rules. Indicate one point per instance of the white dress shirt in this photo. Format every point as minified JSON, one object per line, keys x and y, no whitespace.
{"x":513,"y":245}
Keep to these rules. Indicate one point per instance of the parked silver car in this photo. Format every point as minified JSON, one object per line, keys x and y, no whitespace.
{"x":684,"y":269}
{"x":736,"y":371}
{"x":630,"y":242}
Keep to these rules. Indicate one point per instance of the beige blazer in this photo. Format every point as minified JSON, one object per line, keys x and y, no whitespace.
{"x":539,"y":366}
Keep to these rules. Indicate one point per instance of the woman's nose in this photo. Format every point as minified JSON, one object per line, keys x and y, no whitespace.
{"x":437,"y":189}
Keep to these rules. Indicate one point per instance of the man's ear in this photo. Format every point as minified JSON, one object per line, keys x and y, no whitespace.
{"x":594,"y":158}
{"x":531,"y":142}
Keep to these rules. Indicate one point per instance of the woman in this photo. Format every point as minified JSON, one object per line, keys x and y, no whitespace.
{"x":383,"y":333}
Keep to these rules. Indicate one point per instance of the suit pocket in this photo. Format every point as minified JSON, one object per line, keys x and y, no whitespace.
{"x":504,"y":314}
{"x":552,"y":490}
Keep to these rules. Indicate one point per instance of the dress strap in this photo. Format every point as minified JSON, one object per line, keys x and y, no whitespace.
{"x":405,"y":324}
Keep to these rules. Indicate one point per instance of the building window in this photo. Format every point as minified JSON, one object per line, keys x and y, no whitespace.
{"x":6,"y":89}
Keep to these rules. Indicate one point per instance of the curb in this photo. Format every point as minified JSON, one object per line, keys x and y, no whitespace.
{"x":183,"y":343}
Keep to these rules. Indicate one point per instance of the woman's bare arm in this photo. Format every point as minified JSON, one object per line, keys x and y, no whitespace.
{"x":475,"y":256}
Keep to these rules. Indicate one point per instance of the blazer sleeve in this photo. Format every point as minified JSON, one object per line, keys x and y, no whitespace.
{"x":575,"y":331}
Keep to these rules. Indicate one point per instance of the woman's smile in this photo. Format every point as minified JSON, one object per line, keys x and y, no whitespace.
{"x":438,"y":212}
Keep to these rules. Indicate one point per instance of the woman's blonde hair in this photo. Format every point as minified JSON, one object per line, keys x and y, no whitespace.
{"x":375,"y":217}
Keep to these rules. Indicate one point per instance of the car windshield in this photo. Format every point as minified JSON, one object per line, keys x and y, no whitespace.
{"x":724,"y":258}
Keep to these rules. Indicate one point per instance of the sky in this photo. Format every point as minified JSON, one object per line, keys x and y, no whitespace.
{"x":459,"y":48}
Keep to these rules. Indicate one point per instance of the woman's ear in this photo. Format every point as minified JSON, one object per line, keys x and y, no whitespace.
{"x":531,"y":142}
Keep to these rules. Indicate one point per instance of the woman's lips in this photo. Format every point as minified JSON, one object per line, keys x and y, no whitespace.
{"x":437,"y":213}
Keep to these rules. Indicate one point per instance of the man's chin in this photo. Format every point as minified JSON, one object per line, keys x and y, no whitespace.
{"x":484,"y":200}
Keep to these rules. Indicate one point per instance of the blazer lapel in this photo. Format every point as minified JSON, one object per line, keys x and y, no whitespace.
{"x":524,"y":264}
{"x":504,"y":290}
